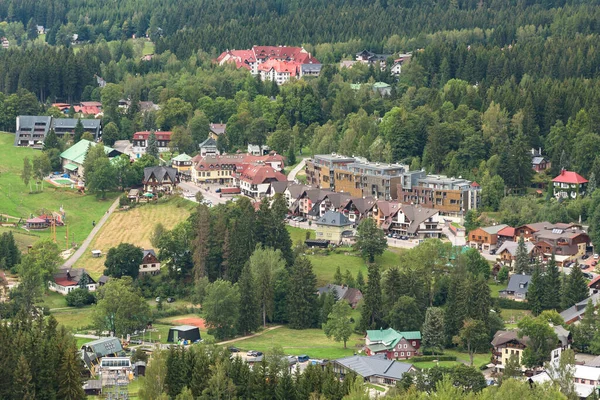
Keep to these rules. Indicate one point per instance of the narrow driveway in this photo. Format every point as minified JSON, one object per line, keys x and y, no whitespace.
{"x":81,"y":250}
{"x":292,"y":175}
{"x":190,"y":189}
{"x":250,"y":336}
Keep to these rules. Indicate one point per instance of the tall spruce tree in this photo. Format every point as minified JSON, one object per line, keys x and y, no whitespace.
{"x":242,"y":240}
{"x":536,"y":290}
{"x":552,"y":282}
{"x":78,"y":133}
{"x":371,"y":316}
{"x":51,"y":141}
{"x":152,"y":145}
{"x":70,"y":386}
{"x":302,"y":302}
{"x":522,"y":265}
{"x":434,"y":329}
{"x":249,"y":317}
{"x":576,"y":289}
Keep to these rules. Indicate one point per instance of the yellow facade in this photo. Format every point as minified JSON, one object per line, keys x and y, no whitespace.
{"x":508,"y":351}
{"x":212,"y":175}
{"x":346,"y":182}
{"x":328,"y":232}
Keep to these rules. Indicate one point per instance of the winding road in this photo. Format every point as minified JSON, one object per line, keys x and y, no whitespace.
{"x":81,"y":250}
{"x":292,"y":175}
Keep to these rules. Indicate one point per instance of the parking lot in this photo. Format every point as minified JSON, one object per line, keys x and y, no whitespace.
{"x":295,"y":362}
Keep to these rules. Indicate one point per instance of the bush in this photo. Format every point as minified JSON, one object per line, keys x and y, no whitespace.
{"x":433,"y":358}
{"x":80,"y":297}
{"x":429,"y":352}
{"x":512,"y":304}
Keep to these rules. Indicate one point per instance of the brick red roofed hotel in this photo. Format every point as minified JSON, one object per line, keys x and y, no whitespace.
{"x":254,"y":180}
{"x":284,"y":62}
{"x":569,"y":184}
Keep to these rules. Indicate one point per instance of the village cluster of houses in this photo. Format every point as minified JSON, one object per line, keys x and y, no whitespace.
{"x":371,"y":58}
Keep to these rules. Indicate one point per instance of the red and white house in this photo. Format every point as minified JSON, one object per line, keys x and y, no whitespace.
{"x":569,"y":184}
{"x":140,"y":142}
{"x":254,"y":180}
{"x":69,"y":279}
{"x":395,"y":345}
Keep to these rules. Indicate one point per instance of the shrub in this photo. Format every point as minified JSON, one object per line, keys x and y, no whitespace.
{"x":433,"y":358}
{"x":512,"y":304}
{"x":80,"y":297}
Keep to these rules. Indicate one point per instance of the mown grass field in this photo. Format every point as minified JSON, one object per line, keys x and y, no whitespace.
{"x":16,"y":201}
{"x":299,"y":234}
{"x":312,"y":342}
{"x":75,"y":319}
{"x":134,"y":226}
{"x":22,"y":238}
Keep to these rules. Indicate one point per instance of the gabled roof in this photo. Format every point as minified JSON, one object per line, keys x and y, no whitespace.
{"x":209,"y":142}
{"x":578,"y":309}
{"x":502,"y":337}
{"x":518,"y":283}
{"x":334,"y":218}
{"x":537,"y":160}
{"x":77,"y":152}
{"x":338,"y":200}
{"x":390,"y":337}
{"x":296,"y":190}
{"x":162,"y":174}
{"x":71,"y":276}
{"x":149,"y":251}
{"x":507,"y":231}
{"x":182,"y":157}
{"x":388,"y":208}
{"x":218,"y":129}
{"x":511,"y":247}
{"x":365,"y":204}
{"x":569,"y":177}
{"x":279,"y":186}
{"x":375,"y":366}
{"x":104,"y":346}
{"x":417,"y":215}
{"x":258,"y":174}
{"x":494,"y":229}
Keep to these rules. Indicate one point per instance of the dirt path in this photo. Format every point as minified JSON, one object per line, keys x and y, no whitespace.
{"x":251,"y":336}
{"x":75,"y":257}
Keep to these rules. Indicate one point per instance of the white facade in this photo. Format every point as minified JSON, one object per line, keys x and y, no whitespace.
{"x":53,"y":286}
{"x":272,"y":75}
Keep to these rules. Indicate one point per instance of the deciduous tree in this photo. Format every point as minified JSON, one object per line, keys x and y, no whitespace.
{"x":338,"y":323}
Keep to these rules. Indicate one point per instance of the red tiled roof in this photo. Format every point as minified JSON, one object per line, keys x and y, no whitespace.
{"x":35,"y":220}
{"x":282,"y":53}
{"x":65,"y":282}
{"x":475,"y":184}
{"x":258,"y":174}
{"x":280,"y":67}
{"x":88,"y":110}
{"x":91,"y":104}
{"x":61,"y":105}
{"x":160,"y":135}
{"x":593,"y":281}
{"x":507,"y":231}
{"x":239,"y":161}
{"x":570,"y":177}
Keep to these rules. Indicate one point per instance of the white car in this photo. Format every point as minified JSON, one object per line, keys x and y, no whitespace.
{"x":596,"y":256}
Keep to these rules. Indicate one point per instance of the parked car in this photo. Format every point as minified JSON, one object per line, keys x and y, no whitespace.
{"x":170,"y":299}
{"x":389,"y":235}
{"x":135,"y":341}
{"x":493,"y":251}
{"x":594,"y":263}
{"x":596,"y":256}
{"x":218,"y":190}
{"x":585,"y":256}
{"x":234,"y":350}
{"x":403,"y":237}
{"x":587,"y":275}
{"x":583,"y":266}
{"x":303,"y":358}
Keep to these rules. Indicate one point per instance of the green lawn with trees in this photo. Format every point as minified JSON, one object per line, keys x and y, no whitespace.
{"x":17,"y":201}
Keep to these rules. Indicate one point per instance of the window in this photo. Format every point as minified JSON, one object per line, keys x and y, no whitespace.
{"x":402,"y":354}
{"x":396,"y":354}
{"x":405,"y":346}
{"x":408,"y":354}
{"x":414,"y":343}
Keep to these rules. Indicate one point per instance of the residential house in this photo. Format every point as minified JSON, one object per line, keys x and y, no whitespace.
{"x":336,"y":202}
{"x":133,"y":195}
{"x":508,"y":343}
{"x":278,"y":71}
{"x":539,"y":162}
{"x":384,"y":89}
{"x":414,"y":221}
{"x":125,"y":147}
{"x":150,"y":264}
{"x":569,"y":185}
{"x":504,"y":234}
{"x":575,"y":312}
{"x":508,"y":251}
{"x":375,"y":369}
{"x":586,"y":380}
{"x":333,"y":226}
{"x":254,"y":180}
{"x":342,"y":292}
{"x":594,"y":284}
{"x":183,"y":164}
{"x":399,"y":62}
{"x":140,"y":142}
{"x":74,"y":157}
{"x":485,"y":238}
{"x":451,"y":196}
{"x":93,"y":108}
{"x":310,"y":70}
{"x":66,"y":126}
{"x":68,"y":279}
{"x":216,"y":130}
{"x":278,"y":188}
{"x":384,"y":210}
{"x":160,"y":179}
{"x":370,"y":57}
{"x":356,"y":208}
{"x":564,"y":240}
{"x":209,"y":147}
{"x":518,"y":285}
{"x":258,"y":150}
{"x":393,"y":344}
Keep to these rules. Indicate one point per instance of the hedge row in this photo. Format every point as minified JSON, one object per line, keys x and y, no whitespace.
{"x":512,"y":304}
{"x":433,"y":358}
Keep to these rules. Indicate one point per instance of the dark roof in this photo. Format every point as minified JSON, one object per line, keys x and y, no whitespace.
{"x":104,"y":346}
{"x":334,"y":218}
{"x":296,"y":190}
{"x":578,"y":309}
{"x":518,"y":284}
{"x":71,"y":123}
{"x":184,"y":328}
{"x":71,"y":276}
{"x":92,"y":384}
{"x":209,"y":142}
{"x":417,"y":215}
{"x":364,"y":204}
{"x":279,"y":186}
{"x":28,"y":121}
{"x":338,"y":200}
{"x":352,"y":295}
{"x":161,"y":173}
{"x":502,"y":337}
{"x":375,"y":366}
{"x":149,"y":251}
{"x":103,"y":279}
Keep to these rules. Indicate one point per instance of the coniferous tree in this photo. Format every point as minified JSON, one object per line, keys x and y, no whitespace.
{"x":23,"y":386}
{"x":536,"y":290}
{"x":302,"y":305}
{"x":51,"y":141}
{"x":371,"y":316}
{"x":338,"y":277}
{"x":78,"y":132}
{"x":552,"y":282}
{"x":27,"y":172}
{"x":200,"y":371}
{"x":434,"y":329}
{"x":522,"y":265}
{"x":360,"y":281}
{"x":152,"y":146}
{"x":70,"y":386}
{"x":248,"y":320}
{"x":576,"y":289}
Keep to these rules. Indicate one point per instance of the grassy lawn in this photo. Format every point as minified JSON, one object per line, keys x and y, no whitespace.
{"x":312,"y":342}
{"x":495,"y":288}
{"x":16,"y":201}
{"x":82,"y":341}
{"x":431,"y":364}
{"x":463,"y":357}
{"x":134,"y":226}
{"x":76,"y":319}
{"x":512,"y":317}
{"x":148,"y":48}
{"x":53,"y":300}
{"x":22,"y":238}
{"x":378,"y":388}
{"x":325,"y":266}
{"x":297,"y":234}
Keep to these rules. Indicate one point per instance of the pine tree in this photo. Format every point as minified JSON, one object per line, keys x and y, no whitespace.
{"x":70,"y":387}
{"x":591,"y":184}
{"x":434,"y":329}
{"x":27,"y":172}
{"x":371,"y":316}
{"x":51,"y":141}
{"x":535,"y":293}
{"x":360,"y":281}
{"x":200,"y":371}
{"x":338,"y":277}
{"x":522,"y":258}
{"x":286,"y":390}
{"x":577,"y":288}
{"x":392,"y":286}
{"x":248,"y":320}
{"x":78,"y":133}
{"x":552,"y":281}
{"x":152,"y":145}
{"x":24,"y":388}
{"x":302,"y":305}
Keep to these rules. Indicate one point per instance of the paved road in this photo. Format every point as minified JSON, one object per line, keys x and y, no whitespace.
{"x":192,"y":188}
{"x":292,"y":175}
{"x":81,"y":250}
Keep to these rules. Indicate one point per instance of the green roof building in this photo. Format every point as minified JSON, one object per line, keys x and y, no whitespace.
{"x":392,"y":343}
{"x":74,"y":156}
